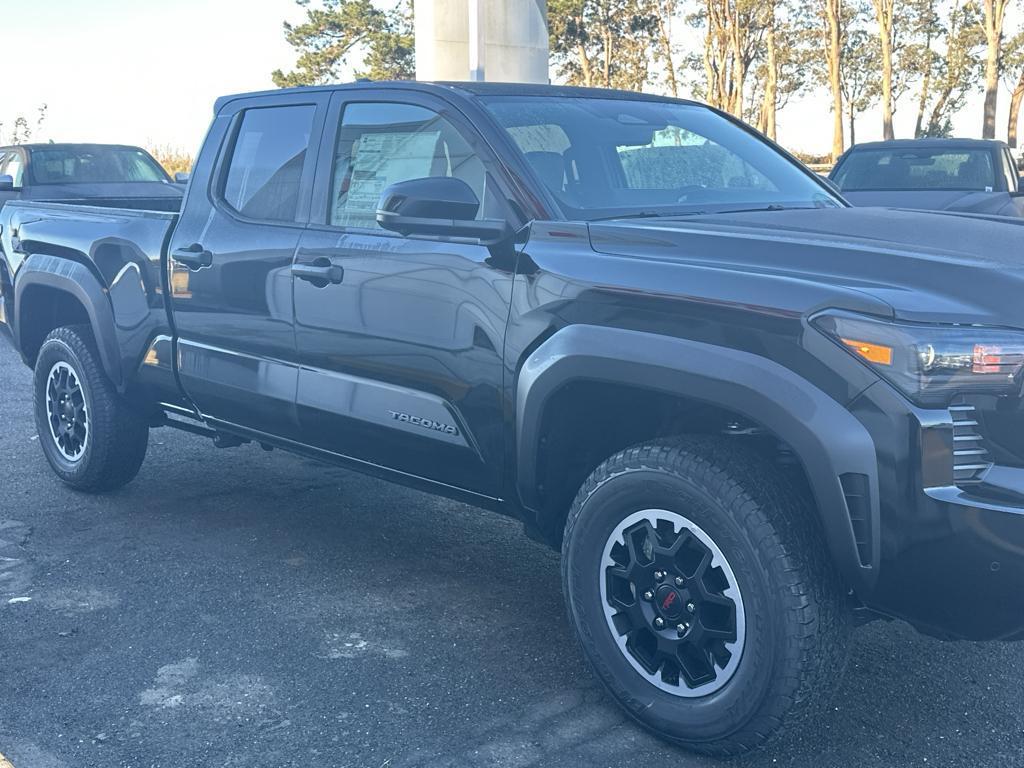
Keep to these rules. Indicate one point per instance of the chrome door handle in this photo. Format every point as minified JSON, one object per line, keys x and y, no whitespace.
{"x":319,"y":273}
{"x":193,"y":256}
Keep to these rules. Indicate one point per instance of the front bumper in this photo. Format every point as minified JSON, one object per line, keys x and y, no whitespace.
{"x":951,"y":557}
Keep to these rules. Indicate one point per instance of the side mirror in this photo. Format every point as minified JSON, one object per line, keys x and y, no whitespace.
{"x":6,"y":183}
{"x":181,"y":178}
{"x":437,"y":206}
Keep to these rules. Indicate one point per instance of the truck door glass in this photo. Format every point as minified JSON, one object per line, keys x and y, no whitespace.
{"x":263,"y":177}
{"x":1009,"y":171}
{"x":15,"y":168}
{"x":382,"y":143}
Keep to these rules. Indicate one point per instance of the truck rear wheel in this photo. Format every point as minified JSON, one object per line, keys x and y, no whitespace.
{"x":701,"y":593}
{"x":91,"y":437}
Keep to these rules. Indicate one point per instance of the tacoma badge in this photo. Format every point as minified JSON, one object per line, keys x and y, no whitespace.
{"x":419,"y":421}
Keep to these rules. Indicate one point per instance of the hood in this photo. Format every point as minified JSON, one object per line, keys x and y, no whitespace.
{"x":106,"y":190}
{"x":909,"y":265}
{"x":931,"y":199}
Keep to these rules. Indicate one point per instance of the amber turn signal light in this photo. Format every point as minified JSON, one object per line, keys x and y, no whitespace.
{"x":873,"y":353}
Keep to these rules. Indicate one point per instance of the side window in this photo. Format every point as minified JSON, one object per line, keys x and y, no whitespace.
{"x":262,"y":180}
{"x":382,"y":143}
{"x":1010,"y":171}
{"x":14,"y":166}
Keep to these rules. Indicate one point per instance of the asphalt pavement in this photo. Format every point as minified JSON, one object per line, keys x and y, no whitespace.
{"x":242,"y":608}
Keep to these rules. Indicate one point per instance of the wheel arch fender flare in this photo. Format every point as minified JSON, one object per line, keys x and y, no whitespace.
{"x":74,"y":278}
{"x":827,"y":439}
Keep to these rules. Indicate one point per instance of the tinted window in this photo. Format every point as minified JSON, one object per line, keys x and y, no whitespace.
{"x":1009,"y":170}
{"x":382,"y":143}
{"x":263,"y":178}
{"x":14,"y":167}
{"x":93,"y":165}
{"x":676,"y":157}
{"x":605,"y":157}
{"x":916,"y":168}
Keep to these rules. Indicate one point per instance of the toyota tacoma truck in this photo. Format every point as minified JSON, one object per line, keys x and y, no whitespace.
{"x":750,"y":416}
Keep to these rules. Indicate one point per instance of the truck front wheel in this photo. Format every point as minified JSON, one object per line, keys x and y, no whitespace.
{"x":701,"y":593}
{"x":91,"y":437}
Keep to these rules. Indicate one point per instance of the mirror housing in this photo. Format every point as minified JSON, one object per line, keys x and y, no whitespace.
{"x":181,"y":178}
{"x":437,"y":207}
{"x":6,"y":183}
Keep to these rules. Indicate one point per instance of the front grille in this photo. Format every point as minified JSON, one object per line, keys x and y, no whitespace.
{"x":970,"y":457}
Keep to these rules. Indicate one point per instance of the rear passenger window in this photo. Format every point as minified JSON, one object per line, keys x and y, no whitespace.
{"x":263,"y":177}
{"x":382,"y":143}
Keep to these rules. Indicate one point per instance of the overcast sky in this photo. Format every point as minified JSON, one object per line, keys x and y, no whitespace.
{"x":147,"y":71}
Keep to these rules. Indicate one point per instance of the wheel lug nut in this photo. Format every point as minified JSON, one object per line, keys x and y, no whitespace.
{"x":680,"y":581}
{"x":691,"y":607}
{"x":648,"y":595}
{"x":659,"y":575}
{"x":659,"y":622}
{"x":681,"y":628}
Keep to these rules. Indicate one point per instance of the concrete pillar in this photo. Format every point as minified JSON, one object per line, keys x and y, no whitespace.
{"x":514,"y":34}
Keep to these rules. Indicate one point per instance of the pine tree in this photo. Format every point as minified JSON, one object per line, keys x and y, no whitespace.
{"x":334,"y":30}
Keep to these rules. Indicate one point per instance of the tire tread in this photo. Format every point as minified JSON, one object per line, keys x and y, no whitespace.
{"x":784,"y":531}
{"x":118,"y":434}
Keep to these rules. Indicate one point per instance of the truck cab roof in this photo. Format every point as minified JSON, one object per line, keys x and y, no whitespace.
{"x":467,"y":90}
{"x":929,"y":143}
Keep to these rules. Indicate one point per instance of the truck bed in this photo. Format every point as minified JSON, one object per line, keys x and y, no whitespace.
{"x":121,"y":251}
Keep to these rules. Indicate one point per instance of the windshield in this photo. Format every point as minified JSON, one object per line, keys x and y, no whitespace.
{"x":93,"y":165}
{"x":903,"y":169}
{"x":617,"y":157}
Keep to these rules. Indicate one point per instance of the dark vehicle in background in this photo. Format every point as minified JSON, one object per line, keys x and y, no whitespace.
{"x":965,"y":175}
{"x":111,"y":175}
{"x":748,"y":414}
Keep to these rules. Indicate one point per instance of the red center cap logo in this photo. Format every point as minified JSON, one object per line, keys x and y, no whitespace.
{"x":669,"y":602}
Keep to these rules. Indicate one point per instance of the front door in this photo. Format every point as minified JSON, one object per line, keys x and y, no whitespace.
{"x":231,"y":258}
{"x":400,"y":339}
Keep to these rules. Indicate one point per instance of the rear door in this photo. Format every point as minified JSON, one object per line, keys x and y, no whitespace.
{"x":231,"y":258}
{"x":401,"y":344}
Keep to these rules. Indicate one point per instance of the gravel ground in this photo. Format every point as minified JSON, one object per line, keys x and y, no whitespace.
{"x":239,"y":608}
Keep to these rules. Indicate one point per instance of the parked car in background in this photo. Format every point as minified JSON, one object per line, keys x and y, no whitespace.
{"x":114,"y":175}
{"x":967,"y":175}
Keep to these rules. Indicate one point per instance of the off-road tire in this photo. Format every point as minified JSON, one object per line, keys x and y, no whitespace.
{"x":117,"y":434}
{"x":797,"y":625}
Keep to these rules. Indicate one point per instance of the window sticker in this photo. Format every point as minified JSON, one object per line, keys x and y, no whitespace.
{"x":378,"y":160}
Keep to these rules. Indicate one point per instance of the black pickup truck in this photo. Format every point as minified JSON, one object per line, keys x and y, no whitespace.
{"x":750,"y":415}
{"x":109,"y":175}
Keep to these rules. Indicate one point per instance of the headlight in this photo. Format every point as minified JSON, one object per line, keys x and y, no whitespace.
{"x":930,"y":363}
